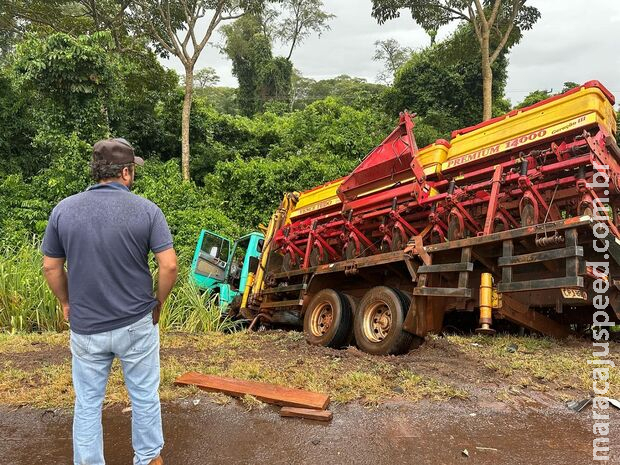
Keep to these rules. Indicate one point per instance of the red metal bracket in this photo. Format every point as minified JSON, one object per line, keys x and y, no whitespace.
{"x":421,"y":189}
{"x":493,"y":201}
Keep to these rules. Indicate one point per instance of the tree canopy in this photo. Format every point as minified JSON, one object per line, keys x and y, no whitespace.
{"x":443,"y":89}
{"x":301,"y":19}
{"x":497,"y":25}
{"x":261,"y":77}
{"x":392,"y":55}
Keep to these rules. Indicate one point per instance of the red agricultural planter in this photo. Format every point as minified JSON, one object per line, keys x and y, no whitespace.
{"x":527,"y":167}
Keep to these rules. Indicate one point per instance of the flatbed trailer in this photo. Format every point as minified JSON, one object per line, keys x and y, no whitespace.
{"x":540,"y":277}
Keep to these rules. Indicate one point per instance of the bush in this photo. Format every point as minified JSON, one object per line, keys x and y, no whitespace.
{"x":328,"y":126}
{"x":251,"y":190}
{"x":187,"y":207}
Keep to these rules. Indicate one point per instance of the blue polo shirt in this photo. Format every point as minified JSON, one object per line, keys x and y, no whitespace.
{"x":105,"y":234}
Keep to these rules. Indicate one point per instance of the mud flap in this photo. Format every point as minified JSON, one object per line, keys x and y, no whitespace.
{"x":422,"y":318}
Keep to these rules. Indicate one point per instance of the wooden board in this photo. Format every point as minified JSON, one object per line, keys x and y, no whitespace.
{"x":269,"y":393}
{"x":310,"y":414}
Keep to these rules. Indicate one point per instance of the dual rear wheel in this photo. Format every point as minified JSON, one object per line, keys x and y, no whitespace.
{"x":333,"y":319}
{"x":328,"y":319}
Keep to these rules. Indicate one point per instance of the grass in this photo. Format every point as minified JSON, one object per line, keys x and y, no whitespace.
{"x":539,"y":363}
{"x":27,"y":304}
{"x":418,"y":387}
{"x":444,"y":369}
{"x":191,"y":310}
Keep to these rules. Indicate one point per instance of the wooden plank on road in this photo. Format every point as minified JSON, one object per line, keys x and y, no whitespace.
{"x":270,"y":393}
{"x":307,"y":413}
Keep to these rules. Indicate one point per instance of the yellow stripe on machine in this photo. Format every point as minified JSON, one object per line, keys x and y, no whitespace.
{"x":586,"y":107}
{"x":317,"y":199}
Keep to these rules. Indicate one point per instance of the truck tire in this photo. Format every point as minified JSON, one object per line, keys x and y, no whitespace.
{"x":328,"y":319}
{"x":353,"y":305}
{"x":378,"y":326}
{"x":416,"y":341}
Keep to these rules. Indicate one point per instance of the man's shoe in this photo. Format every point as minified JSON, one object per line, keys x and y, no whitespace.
{"x":157,"y":461}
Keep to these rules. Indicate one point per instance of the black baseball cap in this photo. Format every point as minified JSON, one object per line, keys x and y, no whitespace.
{"x":116,"y":152}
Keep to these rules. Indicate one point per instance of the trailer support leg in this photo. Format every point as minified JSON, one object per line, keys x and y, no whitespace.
{"x":486,"y":304}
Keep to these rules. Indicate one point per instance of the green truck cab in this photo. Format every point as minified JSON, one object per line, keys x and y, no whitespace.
{"x":222,"y":266}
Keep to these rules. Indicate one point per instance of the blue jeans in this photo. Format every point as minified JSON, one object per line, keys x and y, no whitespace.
{"x":137,"y":347}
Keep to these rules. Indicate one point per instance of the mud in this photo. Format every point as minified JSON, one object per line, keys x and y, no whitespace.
{"x":198,"y":431}
{"x":31,"y":361}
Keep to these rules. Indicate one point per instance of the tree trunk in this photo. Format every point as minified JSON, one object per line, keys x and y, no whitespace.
{"x":487,"y":79}
{"x":187,"y":108}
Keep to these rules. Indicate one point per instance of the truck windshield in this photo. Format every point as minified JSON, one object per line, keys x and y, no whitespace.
{"x":215,"y":246}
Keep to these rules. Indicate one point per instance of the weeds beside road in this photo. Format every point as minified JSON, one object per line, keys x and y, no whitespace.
{"x":28,"y":305}
{"x":35,"y":369}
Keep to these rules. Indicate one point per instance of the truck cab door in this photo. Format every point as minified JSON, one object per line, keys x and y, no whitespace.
{"x":210,"y":260}
{"x":244,"y":260}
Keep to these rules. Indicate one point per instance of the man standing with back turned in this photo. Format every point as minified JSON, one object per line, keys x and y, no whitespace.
{"x":105,"y":234}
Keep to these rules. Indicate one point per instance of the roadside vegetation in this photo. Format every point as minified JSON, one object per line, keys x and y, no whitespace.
{"x":241,"y":165}
{"x":278,"y":131}
{"x":28,"y":305}
{"x":35,"y":369}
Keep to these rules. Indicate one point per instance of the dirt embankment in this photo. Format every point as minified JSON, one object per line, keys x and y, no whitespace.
{"x":511,"y":372}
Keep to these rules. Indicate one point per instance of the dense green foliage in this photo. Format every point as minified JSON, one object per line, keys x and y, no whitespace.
{"x":444,"y":88}
{"x":85,"y":89}
{"x":262,"y":77}
{"x":350,"y":91}
{"x":324,"y":141}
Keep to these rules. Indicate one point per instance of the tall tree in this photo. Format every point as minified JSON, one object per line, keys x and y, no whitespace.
{"x":303,"y":17}
{"x":497,"y":24}
{"x":73,"y":17}
{"x":392,"y":55}
{"x":174,"y":26}
{"x":206,"y":77}
{"x":261,"y":76}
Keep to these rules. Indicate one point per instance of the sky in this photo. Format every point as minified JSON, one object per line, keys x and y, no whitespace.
{"x":574,"y":40}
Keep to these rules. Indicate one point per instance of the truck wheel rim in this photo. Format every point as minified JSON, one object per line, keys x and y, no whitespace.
{"x":322,"y":317}
{"x":377,"y":322}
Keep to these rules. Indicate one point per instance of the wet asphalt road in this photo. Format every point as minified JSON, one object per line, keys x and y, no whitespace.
{"x":423,"y":433}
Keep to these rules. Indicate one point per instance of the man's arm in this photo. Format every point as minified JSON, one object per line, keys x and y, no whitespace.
{"x":167,"y":264}
{"x":56,"y":277}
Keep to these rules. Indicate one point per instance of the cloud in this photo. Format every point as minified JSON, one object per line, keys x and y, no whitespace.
{"x":569,"y":43}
